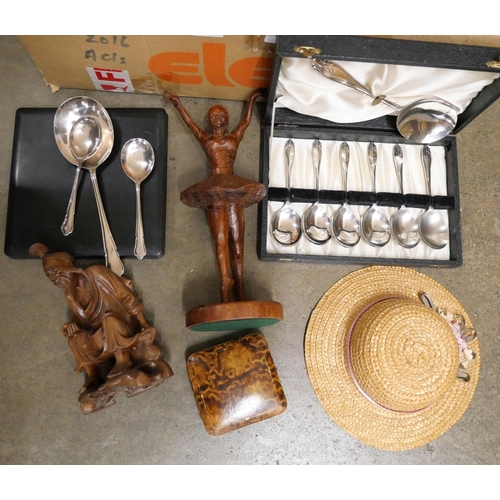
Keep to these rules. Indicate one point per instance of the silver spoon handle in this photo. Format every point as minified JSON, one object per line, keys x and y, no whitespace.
{"x":289,"y":157}
{"x":333,"y":71}
{"x":140,"y":245}
{"x":398,"y":164}
{"x":316,"y":154}
{"x":344,"y":165}
{"x":372,"y":162}
{"x":69,"y":219}
{"x":110,"y":252}
{"x":426,"y":162}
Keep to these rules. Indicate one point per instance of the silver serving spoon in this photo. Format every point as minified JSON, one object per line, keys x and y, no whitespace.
{"x":315,"y":221}
{"x":346,"y":228}
{"x":404,"y":227}
{"x":424,"y":121}
{"x":138,"y":159}
{"x":432,"y":228}
{"x":90,"y":133}
{"x":285,"y":223}
{"x":76,"y":143}
{"x":375,"y":226}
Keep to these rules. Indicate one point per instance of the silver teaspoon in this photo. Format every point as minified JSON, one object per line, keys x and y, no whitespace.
{"x":285,"y":223}
{"x":138,"y":159}
{"x":85,"y":140}
{"x":404,"y":227}
{"x":315,"y":221}
{"x":375,"y":226}
{"x":432,"y":229}
{"x":346,"y":227}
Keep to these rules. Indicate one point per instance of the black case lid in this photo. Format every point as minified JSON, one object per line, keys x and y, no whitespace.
{"x":386,"y":51}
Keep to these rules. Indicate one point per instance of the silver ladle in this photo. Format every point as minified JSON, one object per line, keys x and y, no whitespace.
{"x":346,"y":228}
{"x":77,"y":138}
{"x":90,"y":133}
{"x":138,"y":159}
{"x":285,"y":223}
{"x":432,"y":229}
{"x":424,"y":121}
{"x":404,"y":227}
{"x":315,"y":221}
{"x":375,"y":226}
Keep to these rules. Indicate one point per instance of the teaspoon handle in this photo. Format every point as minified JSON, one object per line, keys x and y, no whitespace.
{"x":110,"y":252}
{"x":140,"y":245}
{"x":69,"y":219}
{"x":316,"y":160}
{"x":398,"y":164}
{"x":372,"y":162}
{"x":344,"y":165}
{"x":289,"y":157}
{"x":426,"y":161}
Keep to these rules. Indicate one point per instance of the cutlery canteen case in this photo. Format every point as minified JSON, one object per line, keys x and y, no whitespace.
{"x":303,"y":105}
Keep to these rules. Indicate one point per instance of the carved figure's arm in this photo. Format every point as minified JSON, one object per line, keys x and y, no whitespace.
{"x":69,"y":329}
{"x":200,"y":134}
{"x":241,"y":128}
{"x":141,"y":319}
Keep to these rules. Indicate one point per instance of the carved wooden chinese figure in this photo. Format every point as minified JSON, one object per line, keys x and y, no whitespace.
{"x":224,"y":195}
{"x":109,"y":336}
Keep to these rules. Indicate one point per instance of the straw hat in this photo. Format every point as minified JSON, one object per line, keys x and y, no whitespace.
{"x":384,"y":365}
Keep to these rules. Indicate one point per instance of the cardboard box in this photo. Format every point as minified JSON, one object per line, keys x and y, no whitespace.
{"x":300,"y":118}
{"x":225,"y":67}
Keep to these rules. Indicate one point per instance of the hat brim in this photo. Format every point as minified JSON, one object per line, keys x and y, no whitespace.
{"x":325,"y":353}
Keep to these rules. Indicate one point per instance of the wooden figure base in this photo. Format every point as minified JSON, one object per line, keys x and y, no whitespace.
{"x":131,"y":382}
{"x":234,"y":316}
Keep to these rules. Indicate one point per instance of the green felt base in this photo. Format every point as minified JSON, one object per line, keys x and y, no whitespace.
{"x":233,"y":324}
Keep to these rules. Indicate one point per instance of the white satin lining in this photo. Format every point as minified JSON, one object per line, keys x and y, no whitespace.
{"x":307,"y":92}
{"x":359,"y":179}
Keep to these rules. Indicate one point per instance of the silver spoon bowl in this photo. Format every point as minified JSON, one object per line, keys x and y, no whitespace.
{"x":375,"y":226}
{"x":68,"y":113}
{"x":72,"y":110}
{"x":315,"y":221}
{"x":424,"y":121}
{"x":433,"y":230}
{"x":90,"y":133}
{"x":285,"y":223}
{"x":138,"y":159}
{"x":404,"y":227}
{"x":346,"y":227}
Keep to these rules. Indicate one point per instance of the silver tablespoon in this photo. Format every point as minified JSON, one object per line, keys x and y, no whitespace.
{"x":404,"y":227}
{"x":315,"y":221}
{"x":375,"y":226}
{"x":432,"y":229}
{"x":424,"y":121}
{"x":110,"y":252}
{"x":285,"y":223}
{"x":88,"y":142}
{"x":138,"y":159}
{"x":346,"y":228}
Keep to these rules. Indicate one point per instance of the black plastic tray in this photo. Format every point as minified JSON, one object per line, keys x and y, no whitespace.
{"x":41,"y":180}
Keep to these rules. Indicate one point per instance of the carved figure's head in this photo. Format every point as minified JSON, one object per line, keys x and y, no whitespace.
{"x":58,"y":266}
{"x":218,"y":115}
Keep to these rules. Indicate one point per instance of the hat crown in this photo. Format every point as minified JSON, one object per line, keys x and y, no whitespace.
{"x":403,"y":355}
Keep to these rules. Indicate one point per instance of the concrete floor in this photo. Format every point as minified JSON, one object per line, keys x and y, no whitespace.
{"x":40,"y":418}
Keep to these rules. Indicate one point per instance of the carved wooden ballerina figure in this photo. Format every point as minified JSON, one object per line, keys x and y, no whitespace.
{"x":109,"y":335}
{"x":223,"y":195}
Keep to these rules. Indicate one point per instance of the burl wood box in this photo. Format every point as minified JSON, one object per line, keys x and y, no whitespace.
{"x":304,"y":106}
